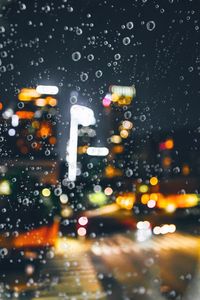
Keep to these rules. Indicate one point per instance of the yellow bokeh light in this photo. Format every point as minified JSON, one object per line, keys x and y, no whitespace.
{"x":126,"y":201}
{"x":145,"y":199}
{"x":28,"y":94}
{"x":124,"y":133}
{"x":127,"y":125}
{"x":116,"y":139}
{"x":153,"y":180}
{"x":51,"y":101}
{"x":124,"y":100}
{"x":114,"y":97}
{"x":46,"y":192}
{"x":154,"y":196}
{"x":143,"y":188}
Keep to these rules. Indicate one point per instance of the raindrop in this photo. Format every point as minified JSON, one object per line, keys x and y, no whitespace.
{"x":90,"y":166}
{"x":73,"y":99}
{"x":26,"y":201}
{"x":36,"y":193}
{"x":190,"y":69}
{"x":90,"y":57}
{"x":3,"y":252}
{"x":129,"y":172}
{"x":84,"y":76}
{"x":142,"y":118}
{"x":20,"y":104}
{"x":176,"y":170}
{"x":79,"y":31}
{"x":126,"y":41}
{"x":98,"y":73}
{"x":47,"y":152}
{"x":151,"y":25}
{"x":127,"y":114}
{"x":70,"y":185}
{"x":29,"y":137}
{"x":117,"y":56}
{"x":10,"y":67}
{"x":3,"y":69}
{"x":76,"y":56}
{"x":130,"y":25}
{"x":2,"y":29}
{"x":22,"y":6}
{"x":57,"y":191}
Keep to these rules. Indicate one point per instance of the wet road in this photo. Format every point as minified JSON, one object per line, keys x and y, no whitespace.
{"x":115,"y":267}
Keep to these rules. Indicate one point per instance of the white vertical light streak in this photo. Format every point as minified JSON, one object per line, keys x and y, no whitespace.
{"x":80,"y":115}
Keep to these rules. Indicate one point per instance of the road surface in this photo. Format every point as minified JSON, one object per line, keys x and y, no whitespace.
{"x":114,"y":267}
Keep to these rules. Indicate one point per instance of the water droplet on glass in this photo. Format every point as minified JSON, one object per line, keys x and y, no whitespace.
{"x":76,"y":56}
{"x":84,"y":76}
{"x":130,"y":25}
{"x":117,"y":56}
{"x":90,"y":57}
{"x":126,"y":41}
{"x":98,"y":73}
{"x":151,"y":25}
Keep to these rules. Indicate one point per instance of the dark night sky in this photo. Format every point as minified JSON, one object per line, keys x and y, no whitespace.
{"x":164,"y":63}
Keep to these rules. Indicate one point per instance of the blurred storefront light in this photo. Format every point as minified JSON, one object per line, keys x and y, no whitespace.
{"x":47,"y":89}
{"x":122,"y":95}
{"x":25,"y":114}
{"x":40,"y":102}
{"x":98,"y":198}
{"x":28,"y":94}
{"x":126,"y":200}
{"x":51,"y":101}
{"x":97,"y":151}
{"x":5,"y":187}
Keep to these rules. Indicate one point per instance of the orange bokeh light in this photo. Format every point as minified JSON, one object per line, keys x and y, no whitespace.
{"x":169,"y":144}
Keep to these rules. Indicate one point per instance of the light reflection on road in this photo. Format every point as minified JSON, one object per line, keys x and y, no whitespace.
{"x":115,"y":267}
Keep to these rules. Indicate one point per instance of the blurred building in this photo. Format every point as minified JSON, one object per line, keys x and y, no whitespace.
{"x":29,"y":133}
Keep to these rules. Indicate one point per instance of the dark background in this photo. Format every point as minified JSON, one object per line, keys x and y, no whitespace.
{"x":164,"y":64}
